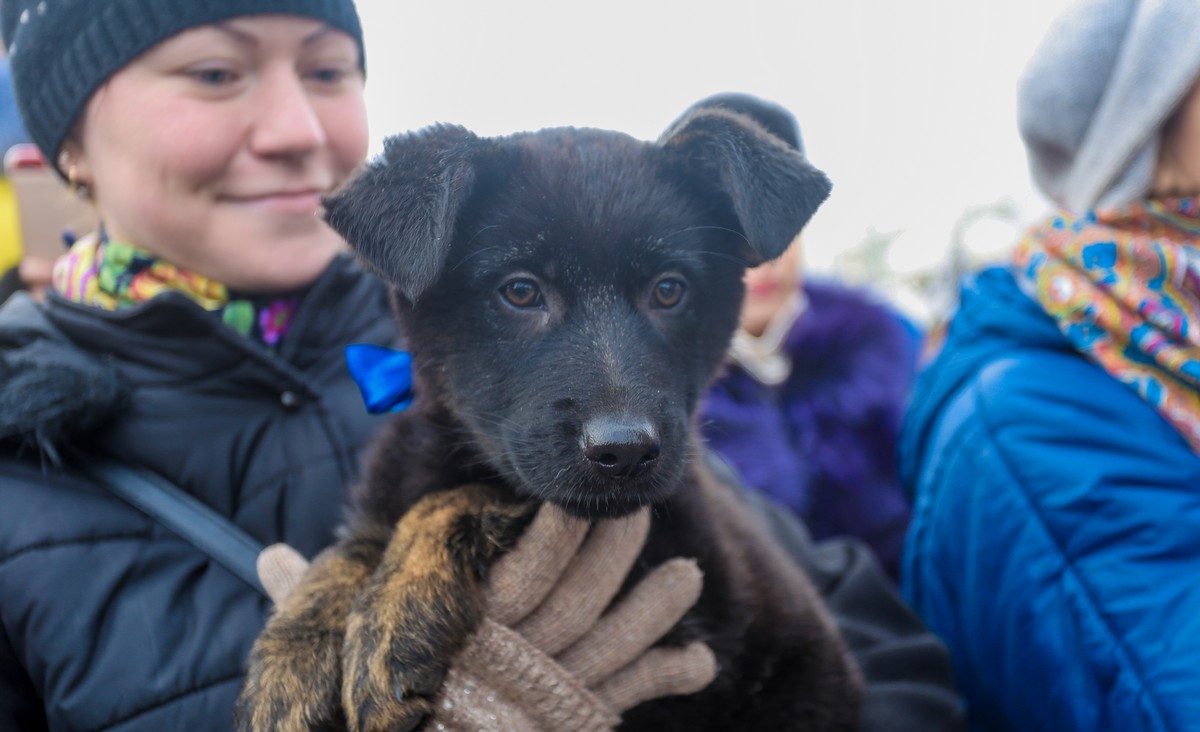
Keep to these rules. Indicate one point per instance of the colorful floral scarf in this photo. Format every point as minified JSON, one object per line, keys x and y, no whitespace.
{"x":1124,"y":286}
{"x":113,"y":275}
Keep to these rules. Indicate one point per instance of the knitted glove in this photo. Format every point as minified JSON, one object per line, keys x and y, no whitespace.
{"x":547,"y":656}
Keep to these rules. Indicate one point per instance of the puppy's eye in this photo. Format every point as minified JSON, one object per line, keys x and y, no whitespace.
{"x":668,"y":292}
{"x":522,"y":293}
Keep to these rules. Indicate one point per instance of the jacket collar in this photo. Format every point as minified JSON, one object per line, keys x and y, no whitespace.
{"x":995,"y":319}
{"x":67,"y":368}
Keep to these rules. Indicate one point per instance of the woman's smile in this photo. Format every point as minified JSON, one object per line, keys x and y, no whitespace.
{"x":305,"y":202}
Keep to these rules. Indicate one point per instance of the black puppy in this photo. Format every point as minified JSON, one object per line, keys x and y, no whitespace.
{"x":567,"y":296}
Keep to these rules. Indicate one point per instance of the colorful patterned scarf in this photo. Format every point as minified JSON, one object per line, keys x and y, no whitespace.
{"x":113,"y":275}
{"x":1124,"y":286}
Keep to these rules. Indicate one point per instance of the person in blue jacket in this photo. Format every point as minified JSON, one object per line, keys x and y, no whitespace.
{"x":1051,"y":447}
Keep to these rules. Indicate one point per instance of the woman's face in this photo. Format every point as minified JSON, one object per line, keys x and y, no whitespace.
{"x":1179,"y":156}
{"x":213,"y":148}
{"x":768,"y":287}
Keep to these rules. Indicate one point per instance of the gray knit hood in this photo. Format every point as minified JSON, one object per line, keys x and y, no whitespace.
{"x":1095,"y":96}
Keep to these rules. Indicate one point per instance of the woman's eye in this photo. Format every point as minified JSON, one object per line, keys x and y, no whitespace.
{"x":668,"y":292}
{"x":329,"y":75}
{"x":214,"y":76}
{"x":522,"y":293}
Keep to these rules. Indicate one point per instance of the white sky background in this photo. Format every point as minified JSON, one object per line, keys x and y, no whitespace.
{"x":909,"y":106}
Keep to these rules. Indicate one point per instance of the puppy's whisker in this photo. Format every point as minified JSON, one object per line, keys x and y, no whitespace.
{"x":496,"y":420}
{"x":727,"y":257}
{"x":493,"y":418}
{"x":467,"y":258}
{"x":476,"y":236}
{"x":735,"y":232}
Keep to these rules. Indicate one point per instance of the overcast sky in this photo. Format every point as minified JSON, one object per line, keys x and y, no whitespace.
{"x":909,"y":106}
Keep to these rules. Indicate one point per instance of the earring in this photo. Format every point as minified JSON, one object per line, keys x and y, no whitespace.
{"x":81,"y":189}
{"x":78,"y":187}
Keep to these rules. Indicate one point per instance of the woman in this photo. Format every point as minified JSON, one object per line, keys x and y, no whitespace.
{"x":1052,"y":446}
{"x":199,"y":336}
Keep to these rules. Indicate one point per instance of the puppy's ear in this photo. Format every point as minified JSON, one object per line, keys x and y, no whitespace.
{"x":772,"y":188}
{"x":399,"y":212}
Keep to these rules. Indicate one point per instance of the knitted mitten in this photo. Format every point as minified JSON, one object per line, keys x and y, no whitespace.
{"x":548,"y":656}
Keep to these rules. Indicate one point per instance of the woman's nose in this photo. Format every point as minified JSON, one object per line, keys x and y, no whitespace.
{"x":286,"y":123}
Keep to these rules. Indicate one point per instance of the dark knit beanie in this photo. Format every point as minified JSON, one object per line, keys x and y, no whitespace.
{"x":61,"y":51}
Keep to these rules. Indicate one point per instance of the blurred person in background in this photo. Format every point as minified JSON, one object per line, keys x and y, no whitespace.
{"x":12,"y":132}
{"x":1051,"y":447}
{"x":46,"y":215}
{"x":809,"y":408}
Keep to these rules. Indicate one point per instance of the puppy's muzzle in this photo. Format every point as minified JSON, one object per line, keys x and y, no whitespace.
{"x":620,"y":448}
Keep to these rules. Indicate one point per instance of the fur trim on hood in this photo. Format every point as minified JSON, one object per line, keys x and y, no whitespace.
{"x":51,"y":392}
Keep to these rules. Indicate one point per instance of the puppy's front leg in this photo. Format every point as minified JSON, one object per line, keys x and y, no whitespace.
{"x":294,"y":679}
{"x":422,"y":604}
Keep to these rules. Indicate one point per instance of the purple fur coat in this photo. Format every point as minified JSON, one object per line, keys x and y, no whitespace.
{"x":824,"y":442}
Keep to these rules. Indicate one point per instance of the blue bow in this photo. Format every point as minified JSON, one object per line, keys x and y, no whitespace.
{"x":383,"y":375}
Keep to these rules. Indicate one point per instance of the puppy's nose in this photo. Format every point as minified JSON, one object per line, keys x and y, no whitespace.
{"x":620,"y":448}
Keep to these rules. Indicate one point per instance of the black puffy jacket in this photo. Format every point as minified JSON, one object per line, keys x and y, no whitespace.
{"x":108,"y":620}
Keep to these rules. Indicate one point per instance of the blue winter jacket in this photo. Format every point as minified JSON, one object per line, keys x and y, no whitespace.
{"x":1055,"y":541}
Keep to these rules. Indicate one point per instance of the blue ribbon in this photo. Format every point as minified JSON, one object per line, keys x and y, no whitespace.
{"x":383,"y":375}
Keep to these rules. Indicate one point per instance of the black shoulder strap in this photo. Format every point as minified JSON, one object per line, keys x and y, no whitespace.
{"x":182,"y":515}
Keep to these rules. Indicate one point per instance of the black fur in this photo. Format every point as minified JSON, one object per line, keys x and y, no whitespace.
{"x":773,"y":189}
{"x":507,"y":396}
{"x":415,"y":193}
{"x":50,"y":394}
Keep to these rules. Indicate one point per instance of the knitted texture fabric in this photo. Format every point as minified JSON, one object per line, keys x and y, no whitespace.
{"x":501,"y":682}
{"x":552,"y":655}
{"x":1123,"y":287}
{"x":1096,"y":94}
{"x":560,"y":661}
{"x":62,"y":50}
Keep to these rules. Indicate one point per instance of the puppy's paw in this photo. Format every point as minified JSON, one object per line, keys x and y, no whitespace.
{"x":293,"y":682}
{"x":393,"y":662}
{"x":294,"y":679}
{"x":421,"y":605}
